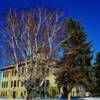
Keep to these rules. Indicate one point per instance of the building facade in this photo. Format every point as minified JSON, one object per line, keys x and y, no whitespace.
{"x":11,"y":87}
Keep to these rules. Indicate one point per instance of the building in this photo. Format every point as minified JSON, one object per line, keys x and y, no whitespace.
{"x":11,"y":87}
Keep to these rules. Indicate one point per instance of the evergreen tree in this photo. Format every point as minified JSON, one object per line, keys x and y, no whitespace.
{"x":97,"y":71}
{"x":75,"y":66}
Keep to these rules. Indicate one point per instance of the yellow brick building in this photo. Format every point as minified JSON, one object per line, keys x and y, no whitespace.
{"x":11,"y":87}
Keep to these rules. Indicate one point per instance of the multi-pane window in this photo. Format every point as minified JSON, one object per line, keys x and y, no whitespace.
{"x":5,"y":73}
{"x":4,"y":84}
{"x":15,"y":83}
{"x":3,"y":94}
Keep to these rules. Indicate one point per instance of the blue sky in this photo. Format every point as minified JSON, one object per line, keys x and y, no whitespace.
{"x":87,"y":11}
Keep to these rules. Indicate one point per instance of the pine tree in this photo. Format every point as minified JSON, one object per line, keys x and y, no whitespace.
{"x":97,"y":71}
{"x":75,"y":65}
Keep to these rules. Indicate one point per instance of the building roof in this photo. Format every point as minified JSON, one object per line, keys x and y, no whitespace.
{"x":6,"y":68}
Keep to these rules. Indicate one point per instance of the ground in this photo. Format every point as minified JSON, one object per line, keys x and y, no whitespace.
{"x":90,"y":98}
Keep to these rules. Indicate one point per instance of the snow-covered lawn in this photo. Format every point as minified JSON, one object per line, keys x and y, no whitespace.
{"x":90,"y":98}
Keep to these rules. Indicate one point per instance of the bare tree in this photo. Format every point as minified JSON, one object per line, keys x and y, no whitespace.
{"x":32,"y":37}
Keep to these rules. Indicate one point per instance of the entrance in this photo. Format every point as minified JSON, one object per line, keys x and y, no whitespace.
{"x":14,"y":94}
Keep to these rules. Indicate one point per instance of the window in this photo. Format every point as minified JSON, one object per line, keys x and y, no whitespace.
{"x":18,"y":83}
{"x":1,"y":94}
{"x":24,"y":92}
{"x":7,"y":73}
{"x":14,"y":83}
{"x":3,"y":74}
{"x":2,"y":84}
{"x":15,"y":72}
{"x":21,"y":94}
{"x":14,"y":94}
{"x":21,"y":84}
{"x":6,"y":84}
{"x":5,"y":93}
{"x":12,"y":72}
{"x":11,"y":83}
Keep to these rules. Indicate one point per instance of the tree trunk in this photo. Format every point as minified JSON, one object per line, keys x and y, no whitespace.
{"x":29,"y":95}
{"x":68,"y":96}
{"x":66,"y":93}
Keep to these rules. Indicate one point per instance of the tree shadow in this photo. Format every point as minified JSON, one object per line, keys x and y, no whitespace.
{"x":71,"y":99}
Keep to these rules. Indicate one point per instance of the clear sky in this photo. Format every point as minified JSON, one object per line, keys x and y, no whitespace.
{"x":87,"y":11}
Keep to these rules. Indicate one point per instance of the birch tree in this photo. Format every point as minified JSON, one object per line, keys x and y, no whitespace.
{"x":32,"y":37}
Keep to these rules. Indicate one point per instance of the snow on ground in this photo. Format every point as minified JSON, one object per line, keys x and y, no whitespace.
{"x":90,"y":98}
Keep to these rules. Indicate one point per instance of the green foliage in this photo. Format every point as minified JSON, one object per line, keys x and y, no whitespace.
{"x":97,"y":71}
{"x":75,"y":67}
{"x":52,"y":92}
